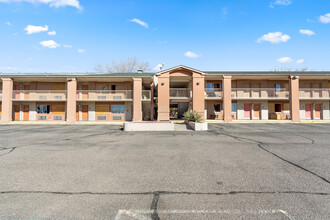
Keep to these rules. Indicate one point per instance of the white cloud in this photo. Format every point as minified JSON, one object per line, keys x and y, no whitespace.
{"x":275,"y":37}
{"x":285,"y":60}
{"x":52,"y":33}
{"x":142,"y":23}
{"x":67,"y":46}
{"x":300,"y":61}
{"x":191,"y":54}
{"x":31,"y":29}
{"x":280,"y":2}
{"x":307,"y":32}
{"x":7,"y":23}
{"x":81,"y":50}
{"x":49,"y":43}
{"x":10,"y":68}
{"x":51,"y":3}
{"x":325,"y":18}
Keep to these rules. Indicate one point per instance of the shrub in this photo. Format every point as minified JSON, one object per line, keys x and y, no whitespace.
{"x":192,"y":116}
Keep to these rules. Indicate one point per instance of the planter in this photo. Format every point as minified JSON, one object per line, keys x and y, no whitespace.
{"x":198,"y":126}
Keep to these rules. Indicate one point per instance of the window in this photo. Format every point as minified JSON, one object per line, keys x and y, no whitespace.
{"x":213,"y":86}
{"x":217,"y":107}
{"x":277,"y":87}
{"x":117,"y":109}
{"x":113,"y":87}
{"x":43,"y":109}
{"x":278,"y":107}
{"x":234,"y":107}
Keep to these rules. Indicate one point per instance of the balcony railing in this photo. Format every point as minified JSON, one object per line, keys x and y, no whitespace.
{"x":146,"y":95}
{"x":180,"y":93}
{"x":104,"y":95}
{"x":314,"y":93}
{"x":259,"y":93}
{"x":215,"y":93}
{"x":0,"y":95}
{"x":40,"y":95}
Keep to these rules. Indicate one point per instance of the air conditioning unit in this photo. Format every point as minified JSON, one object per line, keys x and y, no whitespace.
{"x":117,"y":117}
{"x":102,"y":117}
{"x":58,"y":117}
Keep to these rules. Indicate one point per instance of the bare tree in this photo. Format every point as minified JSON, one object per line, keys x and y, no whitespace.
{"x":130,"y":65}
{"x":288,"y":69}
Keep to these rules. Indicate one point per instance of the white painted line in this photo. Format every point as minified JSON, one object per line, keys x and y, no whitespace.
{"x":133,"y":214}
{"x":138,"y":214}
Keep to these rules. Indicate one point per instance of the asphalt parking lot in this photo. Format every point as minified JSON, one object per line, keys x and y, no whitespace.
{"x":232,"y":171}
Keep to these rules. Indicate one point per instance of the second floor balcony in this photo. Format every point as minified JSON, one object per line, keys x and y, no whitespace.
{"x":213,"y":93}
{"x":259,"y":93}
{"x":105,"y":95}
{"x":39,"y":95}
{"x":315,"y":93}
{"x":180,"y":93}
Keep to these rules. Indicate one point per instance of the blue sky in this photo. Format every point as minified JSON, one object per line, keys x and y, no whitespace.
{"x":77,"y":35}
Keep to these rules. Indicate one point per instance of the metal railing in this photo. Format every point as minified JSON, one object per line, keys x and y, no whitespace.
{"x":146,"y":94}
{"x":261,"y":93}
{"x":104,"y":95}
{"x":314,"y":93}
{"x":213,"y":93}
{"x":0,"y":95}
{"x":39,"y":95}
{"x":180,"y":93}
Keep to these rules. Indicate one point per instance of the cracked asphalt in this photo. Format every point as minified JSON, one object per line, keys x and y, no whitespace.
{"x":232,"y":171}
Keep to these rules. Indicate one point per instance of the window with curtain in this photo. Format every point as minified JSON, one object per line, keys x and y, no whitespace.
{"x":117,"y":109}
{"x":234,"y":107}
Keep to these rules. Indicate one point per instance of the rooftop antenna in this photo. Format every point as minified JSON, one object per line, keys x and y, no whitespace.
{"x":161,"y":66}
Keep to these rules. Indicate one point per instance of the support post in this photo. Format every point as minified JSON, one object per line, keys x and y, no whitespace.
{"x":163,"y":97}
{"x":198,"y":99}
{"x":71,"y":100}
{"x":7,"y":103}
{"x":294,"y":98}
{"x":152,"y":104}
{"x":137,"y":99}
{"x":227,"y":98}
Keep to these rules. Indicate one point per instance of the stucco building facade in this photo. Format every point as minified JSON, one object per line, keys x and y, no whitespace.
{"x":165,"y":96}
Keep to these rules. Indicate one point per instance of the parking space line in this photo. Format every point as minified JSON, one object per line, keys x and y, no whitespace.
{"x":138,"y":214}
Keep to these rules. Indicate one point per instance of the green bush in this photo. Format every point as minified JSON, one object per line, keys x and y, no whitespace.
{"x":192,"y":116}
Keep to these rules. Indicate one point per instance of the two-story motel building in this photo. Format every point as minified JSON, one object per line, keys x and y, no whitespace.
{"x":165,"y":96}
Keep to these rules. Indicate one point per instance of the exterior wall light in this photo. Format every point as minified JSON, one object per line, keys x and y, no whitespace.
{"x":162,"y":83}
{"x":197,"y":83}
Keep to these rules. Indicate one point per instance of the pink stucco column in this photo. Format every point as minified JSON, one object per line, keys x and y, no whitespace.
{"x":294,"y":98}
{"x":137,"y":99}
{"x":227,"y":98}
{"x":198,"y":101}
{"x":163,"y":97}
{"x":152,"y":104}
{"x":71,"y":100}
{"x":7,"y":103}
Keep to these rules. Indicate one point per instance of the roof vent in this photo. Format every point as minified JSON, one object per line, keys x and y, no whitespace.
{"x":140,"y":71}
